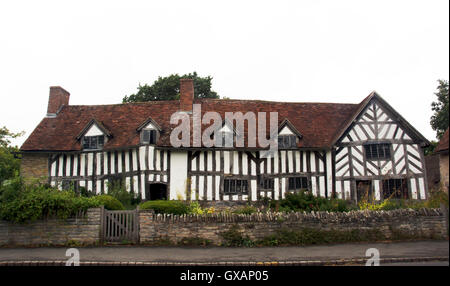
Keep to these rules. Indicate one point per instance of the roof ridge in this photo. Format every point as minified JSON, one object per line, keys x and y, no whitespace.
{"x":272,"y":101}
{"x":211,"y":100}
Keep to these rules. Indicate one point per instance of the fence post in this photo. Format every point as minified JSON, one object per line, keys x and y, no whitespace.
{"x":102,"y":225}
{"x":444,"y":209}
{"x":137,"y":228}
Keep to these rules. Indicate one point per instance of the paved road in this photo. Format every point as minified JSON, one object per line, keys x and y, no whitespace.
{"x":419,"y":263}
{"x":223,"y":254}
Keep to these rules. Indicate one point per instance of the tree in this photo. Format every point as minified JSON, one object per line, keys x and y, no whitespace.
{"x":9,"y":164}
{"x":168,"y":88}
{"x":439,"y":120}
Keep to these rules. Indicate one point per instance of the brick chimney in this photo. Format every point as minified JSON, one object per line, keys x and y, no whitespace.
{"x":186,"y":94}
{"x":58,"y":97}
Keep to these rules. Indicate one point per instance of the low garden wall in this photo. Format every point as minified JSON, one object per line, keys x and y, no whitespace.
{"x":424,"y":223}
{"x":153,"y":228}
{"x":82,"y":230}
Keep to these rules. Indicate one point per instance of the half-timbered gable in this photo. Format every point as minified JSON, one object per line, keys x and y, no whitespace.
{"x":379,"y":151}
{"x":326,"y":148}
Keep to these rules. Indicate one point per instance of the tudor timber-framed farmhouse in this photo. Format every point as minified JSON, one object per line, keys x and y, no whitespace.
{"x":332,"y":149}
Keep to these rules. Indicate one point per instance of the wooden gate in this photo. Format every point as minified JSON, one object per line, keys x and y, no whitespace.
{"x":121,"y":226}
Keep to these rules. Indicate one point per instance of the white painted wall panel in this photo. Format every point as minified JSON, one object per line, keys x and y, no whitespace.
{"x":376,"y":188}
{"x":347,"y":189}
{"x":313,"y":162}
{"x":201,"y":164}
{"x":60,"y":168}
{"x":276,"y":188}
{"x":413,"y":188}
{"x":128,"y":184}
{"x":235,"y":162}
{"x":339,"y":192}
{"x":127,"y":161}
{"x":217,"y":188}
{"x":360,"y":133}
{"x":217,"y":161}
{"x":201,"y":182}
{"x":209,"y":188}
{"x":313,"y":186}
{"x":386,"y":169}
{"x":134,"y":156}
{"x":193,"y":188}
{"x":150,"y":157}
{"x":322,"y":186}
{"x":283,"y":161}
{"x":226,"y":162}
{"x":142,"y":187}
{"x":99,"y":164}
{"x":75,"y":165}
{"x":94,"y":131}
{"x":89,"y":161}
{"x":290,"y":161}
{"x":142,"y":158}
{"x":158,"y":160}
{"x":119,"y":162}
{"x":253,"y":185}
{"x":209,"y":161}
{"x":253,"y":168}
{"x":422,"y":188}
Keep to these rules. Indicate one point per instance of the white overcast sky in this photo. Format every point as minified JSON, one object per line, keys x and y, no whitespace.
{"x":306,"y":51}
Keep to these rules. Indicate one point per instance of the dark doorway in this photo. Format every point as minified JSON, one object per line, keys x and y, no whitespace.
{"x":364,"y":190}
{"x":156,"y":191}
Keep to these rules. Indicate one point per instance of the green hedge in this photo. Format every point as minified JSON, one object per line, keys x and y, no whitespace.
{"x":109,"y":202}
{"x":168,"y":207}
{"x":20,"y":202}
{"x":306,"y":201}
{"x":35,"y":202}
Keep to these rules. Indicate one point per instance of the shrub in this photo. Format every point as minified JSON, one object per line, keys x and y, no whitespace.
{"x":109,"y":202}
{"x":436,"y":198}
{"x":306,"y":201}
{"x":233,"y":237}
{"x":40,"y":201}
{"x":195,"y":208}
{"x":246,"y":210}
{"x":128,"y":199}
{"x":167,"y":207}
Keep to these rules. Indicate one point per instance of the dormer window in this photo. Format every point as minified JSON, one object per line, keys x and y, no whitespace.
{"x":287,"y":141}
{"x":225,"y":136}
{"x":149,"y":132}
{"x":148,"y":136}
{"x":94,"y":136}
{"x":288,"y":135}
{"x":93,"y":142}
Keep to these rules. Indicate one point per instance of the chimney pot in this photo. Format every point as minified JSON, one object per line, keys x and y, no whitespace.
{"x":186,"y":94}
{"x":58,"y":97}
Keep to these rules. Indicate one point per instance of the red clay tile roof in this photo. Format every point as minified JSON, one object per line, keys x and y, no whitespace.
{"x":319,"y":123}
{"x":443,"y":143}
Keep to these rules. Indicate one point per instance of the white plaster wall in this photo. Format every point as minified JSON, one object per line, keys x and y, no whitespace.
{"x":178,"y":174}
{"x":94,"y":131}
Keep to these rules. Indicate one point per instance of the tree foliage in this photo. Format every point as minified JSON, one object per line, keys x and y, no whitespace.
{"x":168,"y":88}
{"x":439,"y":120}
{"x":9,"y":164}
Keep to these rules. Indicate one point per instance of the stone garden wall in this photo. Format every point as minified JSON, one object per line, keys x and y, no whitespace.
{"x":83,"y":230}
{"x":422,"y":223}
{"x":86,"y":229}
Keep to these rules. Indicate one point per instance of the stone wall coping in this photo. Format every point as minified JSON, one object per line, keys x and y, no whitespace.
{"x":293,"y":216}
